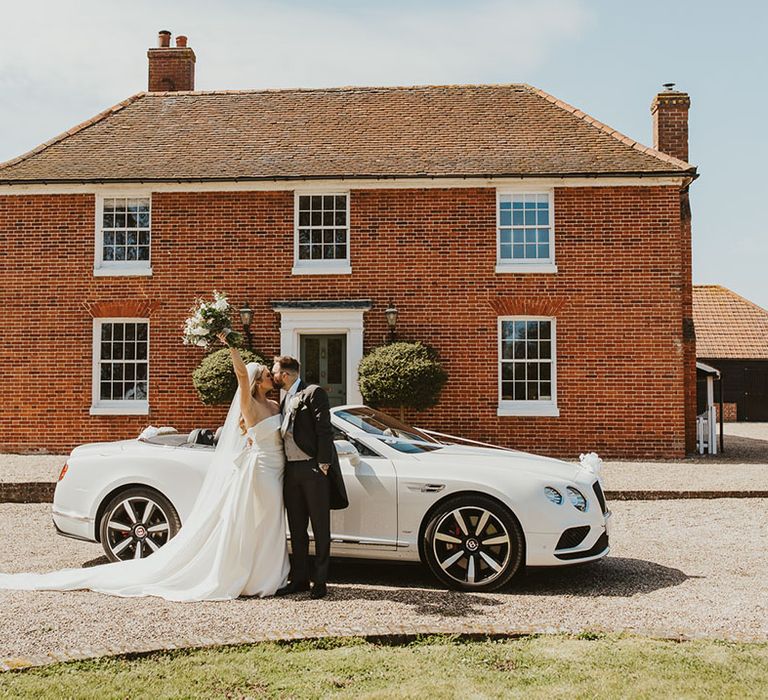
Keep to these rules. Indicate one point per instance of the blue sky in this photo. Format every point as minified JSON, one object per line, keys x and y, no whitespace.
{"x":62,"y":62}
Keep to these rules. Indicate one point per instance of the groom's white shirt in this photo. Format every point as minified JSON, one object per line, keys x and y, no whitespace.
{"x":287,"y":413}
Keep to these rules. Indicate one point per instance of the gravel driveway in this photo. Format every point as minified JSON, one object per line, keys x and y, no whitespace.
{"x":693,"y":567}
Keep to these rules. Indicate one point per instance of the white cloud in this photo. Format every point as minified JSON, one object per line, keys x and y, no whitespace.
{"x":63,"y":62}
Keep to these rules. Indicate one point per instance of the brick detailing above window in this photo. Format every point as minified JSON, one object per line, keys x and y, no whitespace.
{"x":126,"y":308}
{"x":528,"y":306}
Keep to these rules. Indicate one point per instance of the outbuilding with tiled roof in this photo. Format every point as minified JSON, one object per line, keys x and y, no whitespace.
{"x":732,"y":336}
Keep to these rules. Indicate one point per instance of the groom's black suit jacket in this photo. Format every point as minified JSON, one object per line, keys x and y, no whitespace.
{"x":313,"y":434}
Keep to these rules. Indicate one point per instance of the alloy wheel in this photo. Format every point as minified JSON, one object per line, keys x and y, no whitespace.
{"x":136,"y":527}
{"x":472,"y":546}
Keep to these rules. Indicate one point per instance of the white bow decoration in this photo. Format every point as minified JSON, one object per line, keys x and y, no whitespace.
{"x":591,"y":462}
{"x":151,"y":431}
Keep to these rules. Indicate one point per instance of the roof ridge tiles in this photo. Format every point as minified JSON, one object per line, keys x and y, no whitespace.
{"x":610,"y":131}
{"x":339,"y":88}
{"x":101,"y":116}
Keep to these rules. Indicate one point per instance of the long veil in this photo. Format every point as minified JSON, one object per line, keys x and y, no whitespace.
{"x":182,"y":569}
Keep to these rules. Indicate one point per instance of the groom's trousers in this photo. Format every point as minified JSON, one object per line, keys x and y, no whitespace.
{"x":306,"y":492}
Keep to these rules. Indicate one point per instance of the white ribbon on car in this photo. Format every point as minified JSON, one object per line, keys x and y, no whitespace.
{"x":591,"y":462}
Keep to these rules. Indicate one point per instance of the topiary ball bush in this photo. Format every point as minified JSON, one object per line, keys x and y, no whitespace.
{"x":215,"y":378}
{"x":402,"y":375}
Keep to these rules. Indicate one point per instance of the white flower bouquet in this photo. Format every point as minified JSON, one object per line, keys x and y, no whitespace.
{"x":208,"y":319}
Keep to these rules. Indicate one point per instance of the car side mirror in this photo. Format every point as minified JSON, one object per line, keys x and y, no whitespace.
{"x":344,"y":448}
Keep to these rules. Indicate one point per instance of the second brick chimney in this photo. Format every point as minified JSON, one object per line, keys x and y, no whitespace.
{"x":670,"y":122}
{"x":171,"y":68}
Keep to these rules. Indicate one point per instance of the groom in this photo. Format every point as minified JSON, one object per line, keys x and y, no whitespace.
{"x":313,"y":481}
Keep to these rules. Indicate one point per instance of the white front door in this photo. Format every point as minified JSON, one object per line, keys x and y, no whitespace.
{"x":323,"y":361}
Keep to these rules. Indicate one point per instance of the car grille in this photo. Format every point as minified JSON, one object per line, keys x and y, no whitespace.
{"x":600,"y":546}
{"x":572,"y":537}
{"x":600,"y":496}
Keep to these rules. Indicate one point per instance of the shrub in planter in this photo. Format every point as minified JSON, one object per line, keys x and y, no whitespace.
{"x":402,"y":375}
{"x":215,"y":379}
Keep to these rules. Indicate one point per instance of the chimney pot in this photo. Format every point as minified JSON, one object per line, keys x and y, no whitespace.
{"x":171,"y":69}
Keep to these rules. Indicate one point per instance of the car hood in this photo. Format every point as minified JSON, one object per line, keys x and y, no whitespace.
{"x":506,"y":460}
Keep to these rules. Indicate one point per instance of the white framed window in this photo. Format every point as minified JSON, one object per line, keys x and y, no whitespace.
{"x":321,"y":225}
{"x":120,"y":366}
{"x":525,"y":232}
{"x":123,"y":235}
{"x":527,"y":366}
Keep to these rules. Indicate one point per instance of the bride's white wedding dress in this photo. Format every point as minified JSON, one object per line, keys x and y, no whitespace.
{"x":232,"y":543}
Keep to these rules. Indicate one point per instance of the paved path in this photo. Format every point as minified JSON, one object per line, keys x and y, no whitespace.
{"x":677,"y":567}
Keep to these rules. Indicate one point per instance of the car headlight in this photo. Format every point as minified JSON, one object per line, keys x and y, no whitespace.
{"x":577,"y":499}
{"x":553,"y":495}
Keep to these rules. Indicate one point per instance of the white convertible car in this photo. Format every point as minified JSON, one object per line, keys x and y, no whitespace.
{"x":475,"y":515}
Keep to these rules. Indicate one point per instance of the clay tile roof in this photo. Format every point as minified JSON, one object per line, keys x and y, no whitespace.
{"x":353,"y":132}
{"x":728,"y":326}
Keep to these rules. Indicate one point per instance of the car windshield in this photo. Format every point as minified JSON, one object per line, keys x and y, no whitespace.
{"x":400,"y":436}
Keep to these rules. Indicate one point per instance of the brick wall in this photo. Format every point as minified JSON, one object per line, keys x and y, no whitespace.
{"x":171,"y":69}
{"x":618,"y":299}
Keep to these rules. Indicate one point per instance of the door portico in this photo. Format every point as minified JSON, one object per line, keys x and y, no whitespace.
{"x":313,"y":318}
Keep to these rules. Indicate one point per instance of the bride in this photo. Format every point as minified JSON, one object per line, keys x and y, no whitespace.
{"x":233,"y":542}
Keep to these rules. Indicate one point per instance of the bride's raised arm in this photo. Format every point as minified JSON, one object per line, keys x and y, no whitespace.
{"x":241,"y":372}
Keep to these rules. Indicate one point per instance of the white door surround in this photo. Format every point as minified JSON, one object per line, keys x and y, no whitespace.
{"x":299,"y":318}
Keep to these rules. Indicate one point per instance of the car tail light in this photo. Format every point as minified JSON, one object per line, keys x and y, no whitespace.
{"x":63,"y":471}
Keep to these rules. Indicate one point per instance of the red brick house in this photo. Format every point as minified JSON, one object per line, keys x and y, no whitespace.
{"x":543,"y":254}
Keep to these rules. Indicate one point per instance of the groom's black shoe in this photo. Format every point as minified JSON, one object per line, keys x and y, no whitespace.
{"x":319,"y":590}
{"x":293,"y":587}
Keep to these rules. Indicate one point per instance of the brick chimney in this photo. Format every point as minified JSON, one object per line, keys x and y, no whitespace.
{"x":670,"y":122}
{"x":171,"y":68}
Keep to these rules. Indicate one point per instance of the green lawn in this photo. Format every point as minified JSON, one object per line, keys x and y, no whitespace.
{"x":436,"y":667}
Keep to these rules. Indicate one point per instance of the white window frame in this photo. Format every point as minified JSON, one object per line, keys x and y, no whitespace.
{"x":102,"y":407}
{"x":523,"y":266}
{"x":119,"y":268}
{"x":319,"y":267}
{"x":528,"y":408}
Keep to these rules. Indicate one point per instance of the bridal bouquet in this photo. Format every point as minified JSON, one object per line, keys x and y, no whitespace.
{"x":208,"y":319}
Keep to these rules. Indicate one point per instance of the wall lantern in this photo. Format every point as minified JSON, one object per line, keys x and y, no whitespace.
{"x":391,"y":314}
{"x":246,"y":317}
